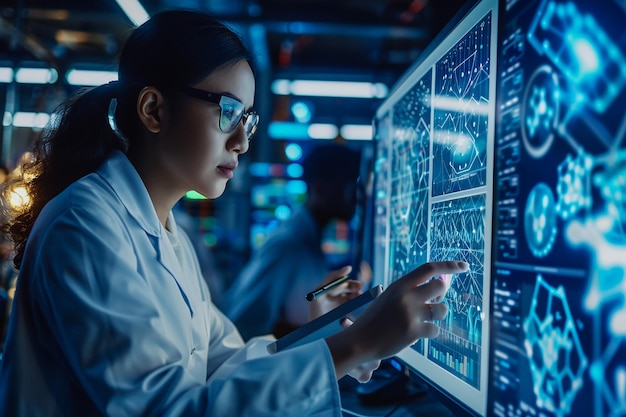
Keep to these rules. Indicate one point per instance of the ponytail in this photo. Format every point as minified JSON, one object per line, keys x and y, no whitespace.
{"x":74,"y":144}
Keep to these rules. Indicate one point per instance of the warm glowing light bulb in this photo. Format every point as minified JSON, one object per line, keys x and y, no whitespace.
{"x":18,"y":197}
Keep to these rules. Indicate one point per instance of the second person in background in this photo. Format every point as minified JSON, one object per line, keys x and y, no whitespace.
{"x":268,"y":295}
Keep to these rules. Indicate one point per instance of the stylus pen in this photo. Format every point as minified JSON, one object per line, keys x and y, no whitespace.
{"x":324,"y":289}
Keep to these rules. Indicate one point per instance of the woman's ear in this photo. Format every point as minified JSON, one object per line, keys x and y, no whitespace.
{"x":149,"y":106}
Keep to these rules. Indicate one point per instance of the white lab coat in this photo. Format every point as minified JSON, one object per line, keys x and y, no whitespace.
{"x":112,"y":317}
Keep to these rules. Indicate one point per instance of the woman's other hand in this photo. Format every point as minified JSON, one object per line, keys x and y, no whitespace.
{"x":334,"y":298}
{"x":346,"y":291}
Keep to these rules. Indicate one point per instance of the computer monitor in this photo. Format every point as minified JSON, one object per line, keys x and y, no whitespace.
{"x":433,"y":194}
{"x":558,"y":335}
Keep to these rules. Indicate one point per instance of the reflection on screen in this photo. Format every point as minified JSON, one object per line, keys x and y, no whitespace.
{"x":432,"y":195}
{"x":559,"y":283}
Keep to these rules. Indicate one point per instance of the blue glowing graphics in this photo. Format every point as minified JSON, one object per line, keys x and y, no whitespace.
{"x":573,"y":187}
{"x":432,"y":192}
{"x":461,"y":113}
{"x":457,"y":232}
{"x":409,"y":169}
{"x":540,"y":220}
{"x":580,"y":48}
{"x":561,"y":211}
{"x":604,"y":237}
{"x":557,"y":361}
{"x":540,"y":111}
{"x":608,"y":372}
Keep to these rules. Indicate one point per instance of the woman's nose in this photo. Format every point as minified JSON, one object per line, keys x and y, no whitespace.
{"x":239,"y":141}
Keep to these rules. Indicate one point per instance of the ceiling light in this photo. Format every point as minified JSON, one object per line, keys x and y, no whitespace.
{"x":323,"y":131}
{"x":26,"y":119}
{"x":356,"y":132}
{"x":317,"y":88}
{"x":288,"y":130}
{"x":6,"y":75}
{"x":134,"y":11}
{"x":36,"y":75}
{"x":281,"y":87}
{"x":90,"y":78}
{"x":302,"y":131}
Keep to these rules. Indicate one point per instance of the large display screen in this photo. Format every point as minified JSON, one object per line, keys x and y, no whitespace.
{"x":433,"y":194}
{"x":558,"y":334}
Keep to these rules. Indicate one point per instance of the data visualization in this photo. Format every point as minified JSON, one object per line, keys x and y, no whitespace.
{"x":434,"y":139}
{"x":558,"y":335}
{"x":461,"y":113}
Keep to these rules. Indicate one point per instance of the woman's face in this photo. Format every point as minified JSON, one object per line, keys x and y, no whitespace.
{"x":196,"y":154}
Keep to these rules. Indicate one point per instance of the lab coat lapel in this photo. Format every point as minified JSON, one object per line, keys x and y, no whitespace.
{"x":168,"y":259}
{"x":130,"y":189}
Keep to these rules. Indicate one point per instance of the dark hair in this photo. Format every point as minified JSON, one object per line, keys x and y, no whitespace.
{"x":333,"y":162}
{"x":174,"y":48}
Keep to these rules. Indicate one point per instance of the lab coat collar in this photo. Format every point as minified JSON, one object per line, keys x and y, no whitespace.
{"x":126,"y":183}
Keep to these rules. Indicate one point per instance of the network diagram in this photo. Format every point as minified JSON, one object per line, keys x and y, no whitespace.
{"x":461,"y":113}
{"x":557,"y":360}
{"x":575,"y":100}
{"x":410,"y":168}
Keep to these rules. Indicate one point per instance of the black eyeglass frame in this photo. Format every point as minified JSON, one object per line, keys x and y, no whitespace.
{"x":216,"y":98}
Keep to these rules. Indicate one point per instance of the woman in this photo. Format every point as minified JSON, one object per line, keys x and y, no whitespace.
{"x":112,"y":316}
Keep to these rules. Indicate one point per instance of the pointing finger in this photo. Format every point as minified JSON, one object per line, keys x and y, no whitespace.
{"x":428,"y":270}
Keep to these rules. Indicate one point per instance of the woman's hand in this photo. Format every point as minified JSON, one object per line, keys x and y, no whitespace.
{"x":346,"y":291}
{"x":401,"y":315}
{"x":333,"y":299}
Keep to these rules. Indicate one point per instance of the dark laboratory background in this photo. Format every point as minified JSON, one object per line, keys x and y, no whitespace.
{"x":51,"y":48}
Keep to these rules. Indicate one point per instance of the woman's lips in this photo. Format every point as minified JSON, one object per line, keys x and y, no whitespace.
{"x":228,"y":170}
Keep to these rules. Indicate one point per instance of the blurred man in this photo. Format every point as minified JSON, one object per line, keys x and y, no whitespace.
{"x":268,"y":296}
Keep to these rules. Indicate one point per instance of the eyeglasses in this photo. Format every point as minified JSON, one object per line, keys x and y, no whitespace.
{"x":231,"y":111}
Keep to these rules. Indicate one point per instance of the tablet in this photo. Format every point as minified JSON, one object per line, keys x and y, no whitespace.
{"x":328,"y":324}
